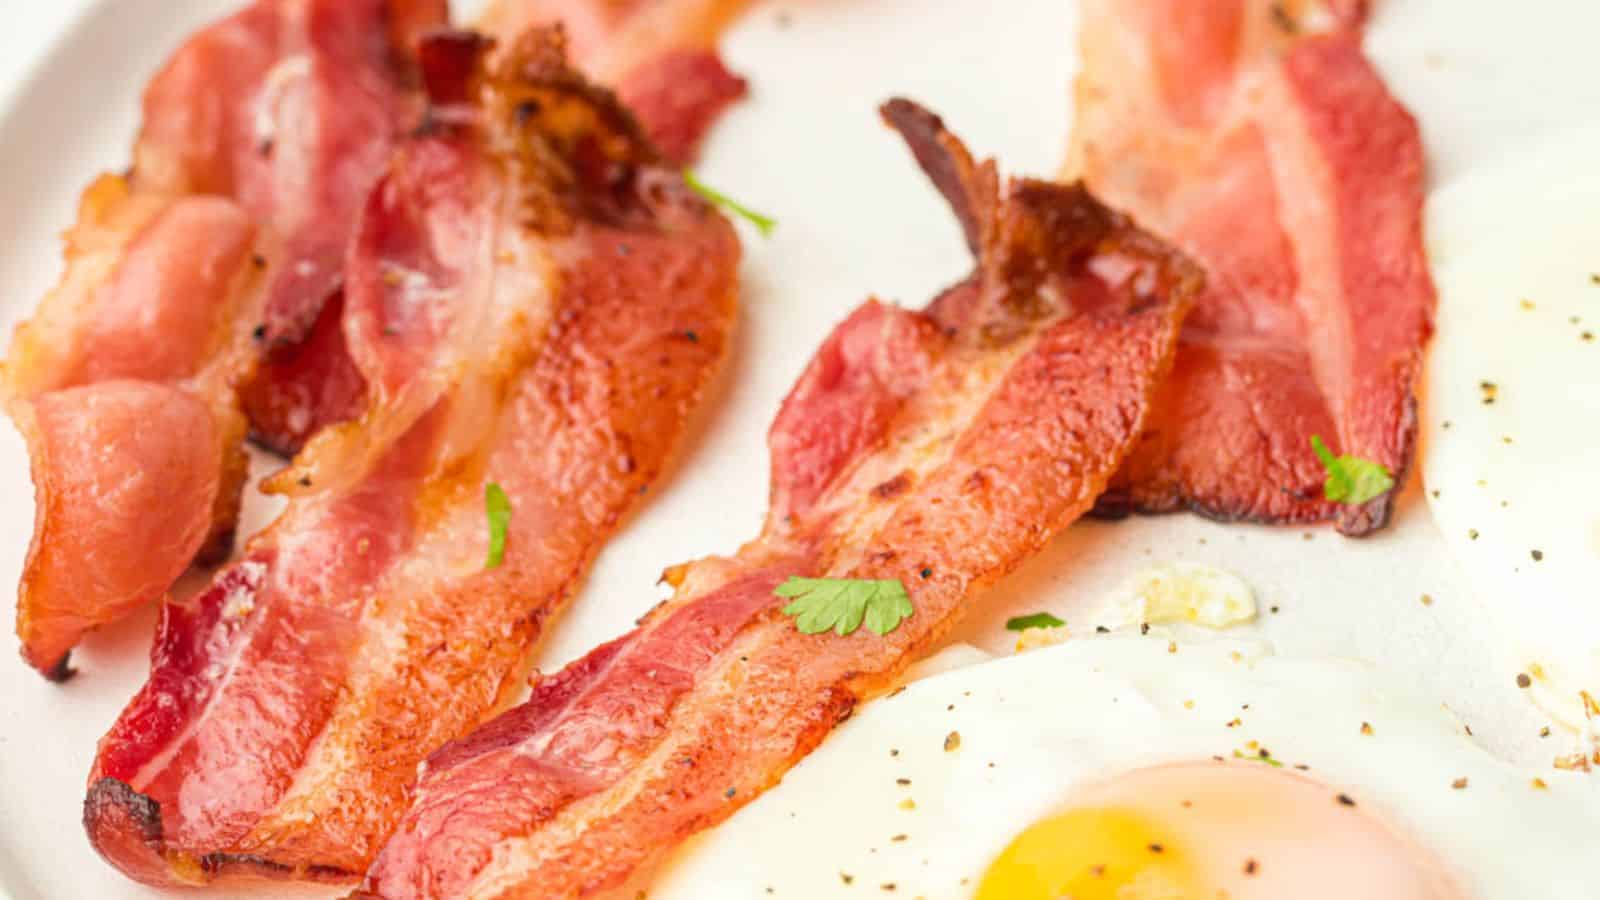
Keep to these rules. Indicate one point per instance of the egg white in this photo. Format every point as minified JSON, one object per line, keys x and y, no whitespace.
{"x":1032,"y":727}
{"x":1512,"y":454}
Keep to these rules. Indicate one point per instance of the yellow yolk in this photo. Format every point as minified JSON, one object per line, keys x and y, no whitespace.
{"x":1091,"y":854}
{"x":1211,"y":829}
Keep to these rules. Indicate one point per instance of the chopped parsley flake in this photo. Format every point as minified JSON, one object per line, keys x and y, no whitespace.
{"x":498,"y":507}
{"x":1261,"y":757}
{"x":1351,"y":480}
{"x":842,"y":605}
{"x":763,"y":224}
{"x":1037,"y":620}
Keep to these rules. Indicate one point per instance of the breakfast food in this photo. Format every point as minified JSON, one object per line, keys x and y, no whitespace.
{"x":1268,"y":148}
{"x":659,"y":55}
{"x":290,"y":108}
{"x":1512,"y":415}
{"x":920,"y":457}
{"x":535,"y":302}
{"x":523,"y":321}
{"x":1116,"y":766}
{"x":226,"y":237}
{"x":137,"y":349}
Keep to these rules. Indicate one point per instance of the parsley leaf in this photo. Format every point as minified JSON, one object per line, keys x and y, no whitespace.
{"x":498,"y":507}
{"x":763,"y":224}
{"x":843,"y":604}
{"x":1257,"y":757}
{"x":1351,"y":480}
{"x":1037,"y":620}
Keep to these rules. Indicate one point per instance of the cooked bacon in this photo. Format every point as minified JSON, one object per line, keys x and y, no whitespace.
{"x":1274,"y":155}
{"x":287,"y":110}
{"x":660,"y":55}
{"x":299,"y":389}
{"x":121,"y":387}
{"x":941,"y":448}
{"x":291,"y":107}
{"x":534,"y":302}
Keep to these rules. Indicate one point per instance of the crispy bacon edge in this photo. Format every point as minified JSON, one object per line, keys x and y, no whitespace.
{"x":641,"y":313}
{"x":671,"y":728}
{"x":660,"y":56}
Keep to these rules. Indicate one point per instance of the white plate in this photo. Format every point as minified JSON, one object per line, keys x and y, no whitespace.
{"x":856,"y":217}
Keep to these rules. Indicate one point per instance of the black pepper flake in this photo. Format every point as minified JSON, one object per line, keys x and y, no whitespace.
{"x":1346,"y":800}
{"x":305,"y":481}
{"x":258,"y":260}
{"x":887,"y":885}
{"x":1523,"y":681}
{"x":1587,"y":336}
{"x":847,"y":878}
{"x":1538,"y":555}
{"x":526,"y":112}
{"x":1251,"y":867}
{"x":1101,"y":629}
{"x":1157,"y":848}
{"x":1144,"y":627}
{"x":691,"y":337}
{"x":903,"y":782}
{"x":730,"y":792}
{"x":260,"y":333}
{"x":1274,"y":609}
{"x":926,"y":573}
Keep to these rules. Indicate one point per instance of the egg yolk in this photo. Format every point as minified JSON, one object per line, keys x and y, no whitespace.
{"x":1238,"y":830}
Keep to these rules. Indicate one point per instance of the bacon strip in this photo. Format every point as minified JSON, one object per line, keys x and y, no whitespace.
{"x":941,"y":448}
{"x":122,"y":388}
{"x":124,"y":384}
{"x":661,"y":58}
{"x":1276,"y":157}
{"x":660,"y":55}
{"x":292,"y":107}
{"x":536,"y":303}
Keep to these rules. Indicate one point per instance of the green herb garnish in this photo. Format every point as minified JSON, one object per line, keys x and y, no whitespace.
{"x":1351,"y":480}
{"x":1037,"y":620}
{"x":763,"y":224}
{"x":1256,"y":757}
{"x":843,"y":604}
{"x":498,"y":507}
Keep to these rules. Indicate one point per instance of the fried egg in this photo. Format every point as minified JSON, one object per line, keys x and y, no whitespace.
{"x":1513,"y":409}
{"x":1127,"y":766}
